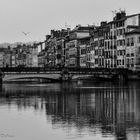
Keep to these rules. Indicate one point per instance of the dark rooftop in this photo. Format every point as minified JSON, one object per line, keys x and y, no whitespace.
{"x":135,"y":31}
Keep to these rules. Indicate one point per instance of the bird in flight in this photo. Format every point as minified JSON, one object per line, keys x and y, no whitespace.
{"x":25,"y":33}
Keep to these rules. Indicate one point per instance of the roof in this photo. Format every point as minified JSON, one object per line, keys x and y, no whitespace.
{"x":132,"y":15}
{"x":124,"y":18}
{"x":86,"y":37}
{"x":135,"y":31}
{"x":132,"y":26}
{"x":80,"y":28}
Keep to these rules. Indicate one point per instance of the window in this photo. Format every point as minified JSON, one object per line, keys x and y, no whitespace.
{"x":108,"y":44}
{"x":117,"y":32}
{"x":120,"y":31}
{"x":96,"y":61}
{"x":127,"y":41}
{"x":127,"y":55}
{"x":132,"y":41}
{"x":132,"y":54}
{"x":123,"y":31}
{"x":123,"y":62}
{"x":120,"y":42}
{"x":132,"y":61}
{"x":139,"y":39}
{"x":120,"y":52}
{"x":123,"y":42}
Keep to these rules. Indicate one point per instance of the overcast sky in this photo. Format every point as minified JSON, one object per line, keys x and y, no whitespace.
{"x":40,"y":16}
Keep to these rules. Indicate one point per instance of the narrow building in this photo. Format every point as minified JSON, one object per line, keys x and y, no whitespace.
{"x":133,"y":49}
{"x":73,"y":45}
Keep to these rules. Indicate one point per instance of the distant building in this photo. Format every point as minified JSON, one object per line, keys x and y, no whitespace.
{"x":1,"y":59}
{"x":41,"y":59}
{"x":7,"y":57}
{"x":26,"y":55}
{"x":34,"y":52}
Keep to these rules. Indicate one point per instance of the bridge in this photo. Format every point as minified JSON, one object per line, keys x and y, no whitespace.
{"x":65,"y":74}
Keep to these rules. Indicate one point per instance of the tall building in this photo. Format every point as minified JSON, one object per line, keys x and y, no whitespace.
{"x":115,"y":45}
{"x":97,"y":45}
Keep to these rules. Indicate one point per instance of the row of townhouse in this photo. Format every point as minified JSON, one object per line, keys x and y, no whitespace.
{"x":66,"y":48}
{"x":21,"y":56}
{"x":114,"y":44}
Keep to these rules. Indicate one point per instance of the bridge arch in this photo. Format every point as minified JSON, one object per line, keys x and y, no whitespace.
{"x":121,"y":76}
{"x":11,"y":77}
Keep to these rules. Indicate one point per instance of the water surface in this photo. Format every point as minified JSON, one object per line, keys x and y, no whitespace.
{"x":78,"y":110}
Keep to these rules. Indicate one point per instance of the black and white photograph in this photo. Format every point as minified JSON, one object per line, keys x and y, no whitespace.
{"x":69,"y":69}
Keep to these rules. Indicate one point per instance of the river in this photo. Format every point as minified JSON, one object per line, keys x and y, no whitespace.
{"x":78,"y":110}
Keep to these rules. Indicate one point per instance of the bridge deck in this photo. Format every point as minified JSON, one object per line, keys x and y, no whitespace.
{"x":58,"y":73}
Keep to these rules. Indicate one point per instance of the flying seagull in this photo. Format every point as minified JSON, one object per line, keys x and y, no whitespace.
{"x":25,"y":33}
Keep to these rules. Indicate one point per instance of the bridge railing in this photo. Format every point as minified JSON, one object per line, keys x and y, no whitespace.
{"x":60,"y":69}
{"x":29,"y":69}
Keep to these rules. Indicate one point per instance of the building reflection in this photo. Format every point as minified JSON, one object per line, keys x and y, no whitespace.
{"x":115,"y":110}
{"x":112,"y":110}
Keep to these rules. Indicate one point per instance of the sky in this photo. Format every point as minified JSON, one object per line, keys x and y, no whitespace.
{"x":40,"y":16}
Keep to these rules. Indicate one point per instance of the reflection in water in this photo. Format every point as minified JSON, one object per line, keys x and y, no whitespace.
{"x":111,"y":110}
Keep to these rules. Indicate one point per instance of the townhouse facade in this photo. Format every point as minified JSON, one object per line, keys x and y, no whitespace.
{"x":25,"y":56}
{"x":133,"y":49}
{"x":85,"y":55}
{"x":60,"y":52}
{"x":41,"y":59}
{"x":5,"y":57}
{"x":50,"y":57}
{"x":1,"y":59}
{"x":61,"y":47}
{"x":76,"y":47}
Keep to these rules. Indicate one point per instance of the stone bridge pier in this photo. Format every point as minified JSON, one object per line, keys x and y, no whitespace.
{"x":66,"y":75}
{"x":121,"y":76}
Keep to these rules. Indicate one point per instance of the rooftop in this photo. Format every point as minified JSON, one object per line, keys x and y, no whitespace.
{"x":122,"y":18}
{"x":135,"y":31}
{"x":82,"y":28}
